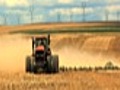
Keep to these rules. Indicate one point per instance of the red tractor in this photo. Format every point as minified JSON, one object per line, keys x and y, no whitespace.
{"x":42,"y":59}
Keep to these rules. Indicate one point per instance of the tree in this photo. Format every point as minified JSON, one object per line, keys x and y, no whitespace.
{"x":109,"y":65}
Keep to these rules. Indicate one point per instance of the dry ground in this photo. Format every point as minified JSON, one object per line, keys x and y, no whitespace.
{"x":62,"y":81}
{"x":74,"y":50}
{"x":14,"y":49}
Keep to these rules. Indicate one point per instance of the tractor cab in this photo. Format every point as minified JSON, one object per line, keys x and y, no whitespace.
{"x":41,"y":47}
{"x":41,"y":41}
{"x":40,"y":44}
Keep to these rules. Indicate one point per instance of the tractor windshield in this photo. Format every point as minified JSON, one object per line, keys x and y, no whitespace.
{"x":41,"y":42}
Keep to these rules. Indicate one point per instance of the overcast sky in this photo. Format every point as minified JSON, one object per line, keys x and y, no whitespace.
{"x":18,"y":11}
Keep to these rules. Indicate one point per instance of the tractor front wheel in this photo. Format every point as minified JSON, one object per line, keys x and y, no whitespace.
{"x":53,"y":64}
{"x":29,"y":64}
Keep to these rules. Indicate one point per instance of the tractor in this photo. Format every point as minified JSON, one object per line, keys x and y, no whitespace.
{"x":42,"y":59}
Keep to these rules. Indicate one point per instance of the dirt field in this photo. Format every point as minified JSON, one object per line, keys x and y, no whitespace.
{"x":73,"y":49}
{"x":81,"y":52}
{"x":61,"y":81}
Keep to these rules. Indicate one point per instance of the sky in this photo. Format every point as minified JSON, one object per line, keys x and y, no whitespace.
{"x":14,"y":12}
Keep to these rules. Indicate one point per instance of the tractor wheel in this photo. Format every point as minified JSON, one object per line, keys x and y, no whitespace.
{"x":35,"y":70}
{"x":53,"y":64}
{"x":29,"y":64}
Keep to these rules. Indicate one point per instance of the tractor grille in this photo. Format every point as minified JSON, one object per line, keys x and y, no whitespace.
{"x":39,"y":56}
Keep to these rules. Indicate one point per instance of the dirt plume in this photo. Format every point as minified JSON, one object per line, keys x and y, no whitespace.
{"x":88,"y":49}
{"x":73,"y":50}
{"x":13,"y":50}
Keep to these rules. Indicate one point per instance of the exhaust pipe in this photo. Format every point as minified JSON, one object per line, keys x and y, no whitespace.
{"x":48,"y":39}
{"x":33,"y":45}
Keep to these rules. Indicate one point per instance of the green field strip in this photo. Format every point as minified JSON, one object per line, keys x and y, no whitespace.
{"x":70,"y":30}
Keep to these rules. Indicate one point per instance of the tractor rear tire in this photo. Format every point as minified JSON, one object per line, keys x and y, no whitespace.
{"x":29,"y":64}
{"x":53,"y":64}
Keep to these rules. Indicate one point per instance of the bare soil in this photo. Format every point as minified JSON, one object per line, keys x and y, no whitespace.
{"x":73,"y":50}
{"x":62,"y":81}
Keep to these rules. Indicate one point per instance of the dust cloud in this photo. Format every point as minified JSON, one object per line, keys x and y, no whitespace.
{"x":71,"y":57}
{"x":15,"y":48}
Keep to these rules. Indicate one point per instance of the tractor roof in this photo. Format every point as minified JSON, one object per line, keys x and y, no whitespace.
{"x":40,"y":37}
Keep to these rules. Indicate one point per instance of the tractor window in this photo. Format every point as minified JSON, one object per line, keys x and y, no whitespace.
{"x":44,"y":42}
{"x":38,"y":43}
{"x":41,"y":42}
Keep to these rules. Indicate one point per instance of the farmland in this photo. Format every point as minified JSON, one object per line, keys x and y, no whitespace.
{"x":91,"y":48}
{"x":62,"y":28}
{"x":62,"y":81}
